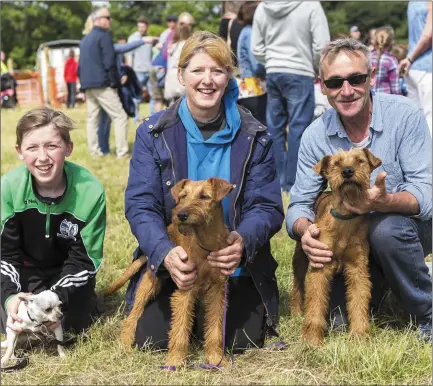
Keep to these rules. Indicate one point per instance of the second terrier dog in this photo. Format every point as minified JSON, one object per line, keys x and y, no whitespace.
{"x":198,"y":227}
{"x":346,"y":235}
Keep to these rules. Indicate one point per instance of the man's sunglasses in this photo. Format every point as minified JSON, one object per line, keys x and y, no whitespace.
{"x":354,"y":80}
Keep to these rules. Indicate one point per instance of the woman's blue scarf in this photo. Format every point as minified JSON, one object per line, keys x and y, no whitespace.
{"x":211,"y":158}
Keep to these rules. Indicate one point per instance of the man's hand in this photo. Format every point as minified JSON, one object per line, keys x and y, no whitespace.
{"x":403,"y":66}
{"x":183,"y":273}
{"x":229,"y":258}
{"x":123,"y":79}
{"x":12,"y":311}
{"x":377,"y":198}
{"x":317,"y":252}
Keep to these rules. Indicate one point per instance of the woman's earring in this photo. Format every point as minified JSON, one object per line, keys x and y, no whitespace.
{"x":21,"y":157}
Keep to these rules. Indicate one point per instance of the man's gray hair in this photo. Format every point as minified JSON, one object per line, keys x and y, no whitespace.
{"x":94,"y":14}
{"x":350,"y":46}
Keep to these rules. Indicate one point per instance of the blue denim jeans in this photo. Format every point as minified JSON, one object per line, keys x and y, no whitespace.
{"x":104,"y":131}
{"x":290,"y":102}
{"x":143,"y":78}
{"x":398,"y":246}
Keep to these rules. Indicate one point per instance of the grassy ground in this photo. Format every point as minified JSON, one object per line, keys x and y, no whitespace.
{"x":392,"y":355}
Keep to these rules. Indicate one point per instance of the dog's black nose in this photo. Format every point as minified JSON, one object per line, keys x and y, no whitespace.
{"x":347,"y":172}
{"x":182,"y":216}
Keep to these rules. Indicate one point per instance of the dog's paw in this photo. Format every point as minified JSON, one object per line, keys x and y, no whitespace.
{"x":217,"y":360}
{"x":312,"y":336}
{"x":175,"y":360}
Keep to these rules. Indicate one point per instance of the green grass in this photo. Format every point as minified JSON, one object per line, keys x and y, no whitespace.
{"x":392,"y":355}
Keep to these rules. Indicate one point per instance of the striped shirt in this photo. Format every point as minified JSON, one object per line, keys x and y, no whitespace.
{"x":387,"y":79}
{"x":399,"y":136}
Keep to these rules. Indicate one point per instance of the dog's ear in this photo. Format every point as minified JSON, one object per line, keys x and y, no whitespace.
{"x":24,"y":298}
{"x":372,"y":159}
{"x":220,"y":188}
{"x":322,"y":166}
{"x":175,"y":190}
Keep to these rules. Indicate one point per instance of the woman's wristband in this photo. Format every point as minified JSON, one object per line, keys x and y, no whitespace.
{"x":410,"y":60}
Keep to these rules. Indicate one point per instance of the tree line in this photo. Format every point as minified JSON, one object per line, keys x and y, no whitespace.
{"x":27,"y":24}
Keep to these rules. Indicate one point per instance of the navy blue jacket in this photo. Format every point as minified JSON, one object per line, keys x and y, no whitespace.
{"x":97,"y":66}
{"x":159,"y":161}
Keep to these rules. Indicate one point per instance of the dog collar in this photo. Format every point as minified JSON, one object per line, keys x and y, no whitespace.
{"x":343,"y":216}
{"x":32,"y":320}
{"x":205,"y":249}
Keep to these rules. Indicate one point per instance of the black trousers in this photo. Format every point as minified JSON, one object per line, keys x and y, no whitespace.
{"x":82,"y":308}
{"x":72,"y":92}
{"x":245,"y":325}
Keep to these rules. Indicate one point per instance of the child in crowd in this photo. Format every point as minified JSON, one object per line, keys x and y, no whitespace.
{"x":387,"y":77}
{"x":400,"y":52}
{"x":52,"y":222}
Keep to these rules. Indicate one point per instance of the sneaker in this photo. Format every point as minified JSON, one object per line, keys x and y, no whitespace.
{"x":425,"y":332}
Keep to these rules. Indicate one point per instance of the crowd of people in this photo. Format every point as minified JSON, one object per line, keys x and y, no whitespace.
{"x":206,"y":131}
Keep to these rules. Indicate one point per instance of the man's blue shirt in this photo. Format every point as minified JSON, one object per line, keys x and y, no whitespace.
{"x":399,"y":136}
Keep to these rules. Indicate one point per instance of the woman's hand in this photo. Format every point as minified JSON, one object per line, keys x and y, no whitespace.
{"x":183,"y":273}
{"x":12,"y":311}
{"x":229,"y":258}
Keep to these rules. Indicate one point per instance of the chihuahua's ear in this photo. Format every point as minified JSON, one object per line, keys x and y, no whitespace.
{"x":175,"y":190}
{"x":322,"y":166}
{"x":24,"y":298}
{"x":372,"y":159}
{"x":220,"y":188}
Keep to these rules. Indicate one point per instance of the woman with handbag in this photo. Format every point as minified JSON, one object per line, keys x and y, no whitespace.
{"x":252,"y":86}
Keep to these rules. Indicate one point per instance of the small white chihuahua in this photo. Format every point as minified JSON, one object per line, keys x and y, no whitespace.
{"x":35,"y":310}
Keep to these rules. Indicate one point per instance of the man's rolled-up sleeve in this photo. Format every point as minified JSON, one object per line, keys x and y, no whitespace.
{"x":307,"y":186}
{"x":415,"y":158}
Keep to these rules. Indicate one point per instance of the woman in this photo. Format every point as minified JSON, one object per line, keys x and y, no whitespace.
{"x":252,"y":73}
{"x":53,"y":222}
{"x":172,"y":88}
{"x":206,"y":134}
{"x":387,"y":77}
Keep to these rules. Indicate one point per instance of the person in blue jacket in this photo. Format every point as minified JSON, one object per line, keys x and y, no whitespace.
{"x":202,"y":135}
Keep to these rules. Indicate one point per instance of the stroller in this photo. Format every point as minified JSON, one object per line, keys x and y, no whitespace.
{"x":8,"y":91}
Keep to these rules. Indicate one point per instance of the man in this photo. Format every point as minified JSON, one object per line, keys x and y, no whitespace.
{"x":355,"y":33}
{"x":291,"y":66}
{"x":418,"y":64}
{"x":99,"y":78}
{"x":141,"y":61}
{"x":400,"y":201}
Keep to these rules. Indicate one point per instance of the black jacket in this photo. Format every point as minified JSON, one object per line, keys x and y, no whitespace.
{"x":97,"y":65}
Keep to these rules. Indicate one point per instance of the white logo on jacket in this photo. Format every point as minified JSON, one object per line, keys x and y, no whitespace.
{"x":68,"y":230}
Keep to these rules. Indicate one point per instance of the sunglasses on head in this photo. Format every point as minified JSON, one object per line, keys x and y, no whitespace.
{"x":105,"y":17}
{"x":354,"y":80}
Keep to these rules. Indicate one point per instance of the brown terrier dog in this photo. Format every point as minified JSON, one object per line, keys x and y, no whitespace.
{"x":348,"y":174}
{"x":198,"y":227}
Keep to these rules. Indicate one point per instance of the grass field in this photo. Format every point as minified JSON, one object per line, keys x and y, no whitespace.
{"x":392,"y":355}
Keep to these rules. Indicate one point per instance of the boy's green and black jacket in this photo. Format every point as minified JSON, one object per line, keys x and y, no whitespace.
{"x":66,"y":233}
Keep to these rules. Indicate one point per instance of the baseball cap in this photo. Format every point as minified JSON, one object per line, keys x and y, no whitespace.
{"x":354,"y":28}
{"x":171,"y":18}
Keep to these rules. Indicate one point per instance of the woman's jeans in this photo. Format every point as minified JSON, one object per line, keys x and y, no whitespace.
{"x":398,"y":247}
{"x":290,"y":102}
{"x":104,"y":131}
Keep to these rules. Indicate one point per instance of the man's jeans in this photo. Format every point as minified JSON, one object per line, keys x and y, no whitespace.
{"x":290,"y":102}
{"x":398,"y":246}
{"x":143,"y":79}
